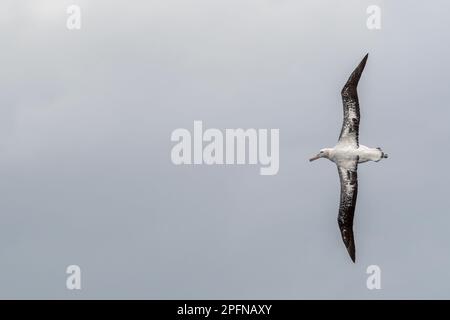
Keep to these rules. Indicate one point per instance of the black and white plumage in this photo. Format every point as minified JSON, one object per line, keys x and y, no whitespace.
{"x":347,"y":154}
{"x":348,"y":176}
{"x":350,"y":125}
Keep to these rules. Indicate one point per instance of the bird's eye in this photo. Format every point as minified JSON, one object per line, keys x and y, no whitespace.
{"x":321,"y":151}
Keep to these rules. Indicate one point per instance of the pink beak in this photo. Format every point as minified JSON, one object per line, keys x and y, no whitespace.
{"x":314,"y":158}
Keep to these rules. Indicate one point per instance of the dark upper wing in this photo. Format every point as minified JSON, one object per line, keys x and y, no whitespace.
{"x":350,"y":126}
{"x":349,"y":191}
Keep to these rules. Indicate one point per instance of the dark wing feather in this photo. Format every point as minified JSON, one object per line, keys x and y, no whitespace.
{"x":350,"y":126}
{"x":349,"y":191}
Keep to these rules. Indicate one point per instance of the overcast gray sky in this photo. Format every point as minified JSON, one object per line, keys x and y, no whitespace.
{"x":85,"y":171}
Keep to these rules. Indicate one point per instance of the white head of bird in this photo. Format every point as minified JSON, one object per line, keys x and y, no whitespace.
{"x":323,"y":153}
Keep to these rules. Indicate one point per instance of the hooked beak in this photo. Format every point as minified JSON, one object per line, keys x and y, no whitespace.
{"x":315,"y":158}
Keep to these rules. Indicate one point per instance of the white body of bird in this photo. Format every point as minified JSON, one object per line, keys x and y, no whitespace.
{"x":345,"y":152}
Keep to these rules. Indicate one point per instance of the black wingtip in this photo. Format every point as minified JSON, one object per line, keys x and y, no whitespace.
{"x":362,"y":64}
{"x":356,"y":74}
{"x":351,"y":252}
{"x":348,"y":239}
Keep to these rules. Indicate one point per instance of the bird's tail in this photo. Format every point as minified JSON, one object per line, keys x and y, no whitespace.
{"x":383,"y":155}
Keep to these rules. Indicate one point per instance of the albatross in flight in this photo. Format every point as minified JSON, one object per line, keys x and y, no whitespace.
{"x":347,"y":154}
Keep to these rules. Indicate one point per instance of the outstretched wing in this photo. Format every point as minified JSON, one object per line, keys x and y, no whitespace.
{"x":350,"y":126}
{"x":349,"y":191}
